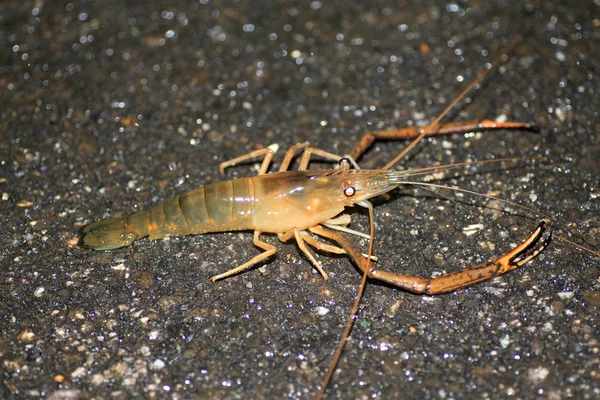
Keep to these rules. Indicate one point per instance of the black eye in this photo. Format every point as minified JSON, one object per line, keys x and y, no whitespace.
{"x":349,"y":191}
{"x":345,"y":160}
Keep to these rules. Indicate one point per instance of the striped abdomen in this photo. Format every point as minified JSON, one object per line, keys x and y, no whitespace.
{"x":218,"y":207}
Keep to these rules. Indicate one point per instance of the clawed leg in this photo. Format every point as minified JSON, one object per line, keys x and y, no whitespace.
{"x":269,"y":250}
{"x":442,"y":129}
{"x":520,"y":255}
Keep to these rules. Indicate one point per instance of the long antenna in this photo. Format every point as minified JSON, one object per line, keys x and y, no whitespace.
{"x":389,"y":165}
{"x":429,"y":128}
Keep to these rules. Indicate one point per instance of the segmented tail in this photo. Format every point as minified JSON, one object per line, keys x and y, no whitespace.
{"x":218,"y":207}
{"x":111,"y":233}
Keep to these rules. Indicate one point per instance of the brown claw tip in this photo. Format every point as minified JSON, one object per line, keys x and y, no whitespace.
{"x":535,"y":247}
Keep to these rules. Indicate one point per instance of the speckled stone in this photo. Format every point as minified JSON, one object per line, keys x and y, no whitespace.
{"x":110,"y":107}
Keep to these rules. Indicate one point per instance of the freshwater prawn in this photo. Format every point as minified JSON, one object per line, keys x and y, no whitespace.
{"x":297,"y":203}
{"x":303,"y":203}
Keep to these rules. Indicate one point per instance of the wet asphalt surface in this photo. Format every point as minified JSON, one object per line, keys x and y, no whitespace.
{"x":112,"y":107}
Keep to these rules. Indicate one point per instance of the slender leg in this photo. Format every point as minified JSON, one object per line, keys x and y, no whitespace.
{"x":269,"y":250}
{"x":321,"y":153}
{"x":284,"y":237}
{"x":520,"y":255}
{"x":268,"y":152}
{"x":289,"y":155}
{"x":308,"y":151}
{"x":342,"y":220}
{"x":327,"y":247}
{"x":310,"y":256}
{"x":412,"y":132}
{"x":320,"y":245}
{"x":342,"y":228}
{"x":341,"y":224}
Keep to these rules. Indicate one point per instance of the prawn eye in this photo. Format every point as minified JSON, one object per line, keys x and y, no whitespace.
{"x":349,"y":191}
{"x":345,"y":161}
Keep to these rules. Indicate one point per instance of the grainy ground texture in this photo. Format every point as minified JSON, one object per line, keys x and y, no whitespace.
{"x":109,"y":107}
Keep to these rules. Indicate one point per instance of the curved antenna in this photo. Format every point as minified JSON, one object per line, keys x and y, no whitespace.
{"x":429,"y":128}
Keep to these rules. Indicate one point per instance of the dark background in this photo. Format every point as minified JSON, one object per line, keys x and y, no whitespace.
{"x":108,"y":107}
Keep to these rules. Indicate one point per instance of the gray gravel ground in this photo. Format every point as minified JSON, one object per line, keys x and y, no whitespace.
{"x":110,"y":107}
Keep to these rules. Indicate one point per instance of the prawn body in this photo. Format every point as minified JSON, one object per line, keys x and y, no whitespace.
{"x":273,"y":203}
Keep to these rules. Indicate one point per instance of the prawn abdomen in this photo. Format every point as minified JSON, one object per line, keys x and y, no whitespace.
{"x":218,"y":207}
